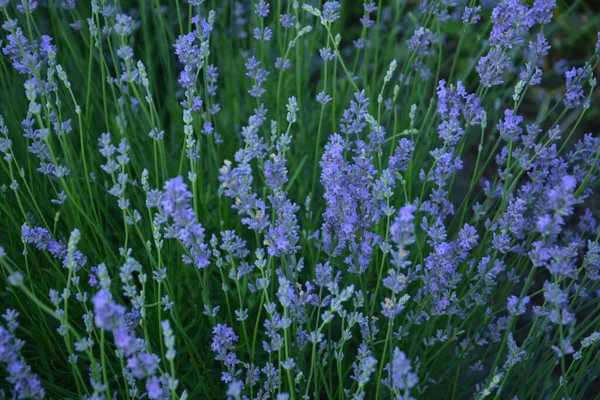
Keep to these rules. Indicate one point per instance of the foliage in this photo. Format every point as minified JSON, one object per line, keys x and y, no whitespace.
{"x":284,"y":200}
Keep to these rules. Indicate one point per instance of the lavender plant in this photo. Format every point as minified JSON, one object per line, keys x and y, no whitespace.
{"x":279,"y":199}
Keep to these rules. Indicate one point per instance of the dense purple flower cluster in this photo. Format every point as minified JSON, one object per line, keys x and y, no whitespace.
{"x":181,"y":222}
{"x":23,"y":383}
{"x":401,"y":379}
{"x":42,"y":240}
{"x":447,"y":242}
{"x":575,"y":78}
{"x":112,"y":317}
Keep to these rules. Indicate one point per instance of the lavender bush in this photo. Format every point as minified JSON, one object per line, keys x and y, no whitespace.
{"x":299,"y":199}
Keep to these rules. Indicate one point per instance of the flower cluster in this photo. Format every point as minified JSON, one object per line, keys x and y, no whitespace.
{"x":299,"y":199}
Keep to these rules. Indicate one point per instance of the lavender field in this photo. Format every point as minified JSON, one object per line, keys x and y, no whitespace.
{"x":210,"y":199}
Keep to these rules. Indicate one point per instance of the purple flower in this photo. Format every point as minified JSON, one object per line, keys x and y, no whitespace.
{"x":509,"y":127}
{"x":467,"y":237}
{"x":531,"y":75}
{"x":542,"y":11}
{"x":395,"y":281}
{"x":263,"y":35}
{"x":190,"y":53}
{"x":558,"y":301}
{"x":41,"y":238}
{"x":370,"y":7}
{"x":364,"y":366}
{"x":511,"y":21}
{"x":23,"y":383}
{"x":259,"y":75}
{"x":400,"y":375}
{"x":560,"y":198}
{"x":287,"y":20}
{"x":352,"y":206}
{"x":445,"y":166}
{"x":212,"y":75}
{"x":540,"y":47}
{"x":186,"y":49}
{"x":353,"y":119}
{"x":554,"y":295}
{"x":324,"y":274}
{"x":124,"y":25}
{"x":587,"y":222}
{"x":331,"y":11}
{"x":515,"y":355}
{"x":491,"y":67}
{"x":155,"y":389}
{"x":471,"y":15}
{"x":283,"y":237}
{"x":143,"y":364}
{"x":27,"y":6}
{"x":592,"y":260}
{"x":176,"y":205}
{"x":454,"y":102}
{"x":327,"y":53}
{"x":323,"y":98}
{"x":233,"y":244}
{"x":440,"y":274}
{"x":574,"y":84}
{"x":366,"y":21}
{"x":281,"y":64}
{"x":107,"y":314}
{"x":24,"y":57}
{"x":46,"y":47}
{"x":125,"y":52}
{"x":124,"y":340}
{"x":420,"y":40}
{"x":398,"y":162}
{"x":402,"y":229}
{"x":224,"y":339}
{"x":516,"y":306}
{"x":235,"y":389}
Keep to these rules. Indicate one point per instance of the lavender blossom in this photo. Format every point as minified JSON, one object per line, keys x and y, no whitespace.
{"x":176,"y":206}
{"x":575,"y":78}
{"x":23,"y":383}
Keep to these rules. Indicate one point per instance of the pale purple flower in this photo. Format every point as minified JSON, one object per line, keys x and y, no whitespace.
{"x":517,"y":306}
{"x":400,"y":375}
{"x":491,"y":67}
{"x":287,"y":20}
{"x":471,"y":15}
{"x":323,"y":98}
{"x":540,"y":47}
{"x":262,"y":8}
{"x":331,"y":11}
{"x":420,"y":40}
{"x":542,"y":11}
{"x":176,"y":206}
{"x":155,"y":389}
{"x":22,"y":382}
{"x":575,"y":77}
